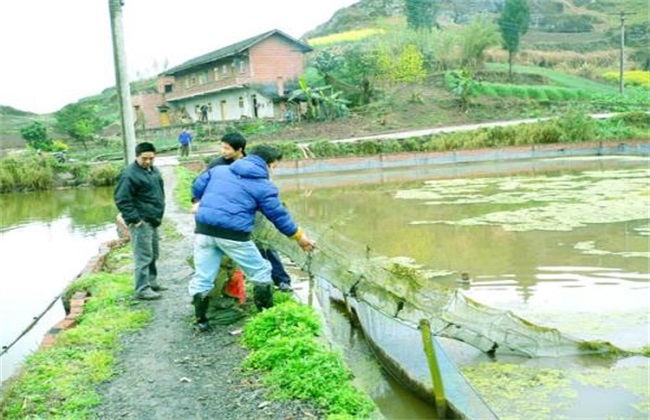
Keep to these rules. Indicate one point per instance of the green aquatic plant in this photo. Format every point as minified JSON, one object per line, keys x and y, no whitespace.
{"x":602,"y":347}
{"x":505,"y":386}
{"x":288,"y":320}
{"x":296,"y":365}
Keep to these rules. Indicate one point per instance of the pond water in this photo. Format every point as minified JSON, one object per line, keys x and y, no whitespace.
{"x":563,"y":243}
{"x":564,"y":247}
{"x":46,"y":239}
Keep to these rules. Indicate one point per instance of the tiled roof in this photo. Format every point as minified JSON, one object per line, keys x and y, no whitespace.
{"x":233,"y":49}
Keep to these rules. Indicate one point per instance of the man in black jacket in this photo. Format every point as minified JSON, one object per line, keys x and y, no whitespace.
{"x":140,"y":198}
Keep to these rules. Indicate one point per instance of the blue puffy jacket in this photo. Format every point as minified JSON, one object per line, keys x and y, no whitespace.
{"x":231,"y":195}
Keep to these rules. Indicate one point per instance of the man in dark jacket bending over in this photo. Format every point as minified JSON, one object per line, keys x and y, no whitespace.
{"x":229,"y":198}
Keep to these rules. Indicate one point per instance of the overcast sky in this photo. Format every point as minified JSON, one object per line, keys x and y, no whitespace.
{"x":55,"y":52}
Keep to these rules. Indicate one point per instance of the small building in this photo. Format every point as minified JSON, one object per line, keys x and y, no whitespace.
{"x":247,"y":79}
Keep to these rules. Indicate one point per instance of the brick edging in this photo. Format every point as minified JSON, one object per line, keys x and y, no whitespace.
{"x":78,"y":299}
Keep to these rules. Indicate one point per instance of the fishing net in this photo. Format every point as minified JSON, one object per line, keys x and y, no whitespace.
{"x":401,"y":291}
{"x":391,"y":298}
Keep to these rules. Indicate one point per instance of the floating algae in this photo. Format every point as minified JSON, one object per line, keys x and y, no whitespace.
{"x":553,"y":203}
{"x":532,"y":390}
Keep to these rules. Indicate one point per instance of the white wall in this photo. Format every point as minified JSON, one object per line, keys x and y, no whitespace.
{"x":233,"y":110}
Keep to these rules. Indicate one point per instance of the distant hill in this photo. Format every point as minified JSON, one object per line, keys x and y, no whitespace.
{"x":553,"y":22}
{"x":7,"y":111}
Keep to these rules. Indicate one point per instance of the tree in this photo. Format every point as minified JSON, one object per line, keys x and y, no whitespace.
{"x":322,"y":102}
{"x":421,"y":14}
{"x":409,"y":69}
{"x":462,"y":85}
{"x":80,"y":122}
{"x":35,"y":136}
{"x":513,"y":24}
{"x":476,"y":37}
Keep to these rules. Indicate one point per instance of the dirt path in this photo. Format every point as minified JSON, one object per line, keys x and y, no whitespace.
{"x":167,"y":370}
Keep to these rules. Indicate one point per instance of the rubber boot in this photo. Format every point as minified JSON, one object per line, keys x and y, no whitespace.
{"x":201,"y":302}
{"x":263,"y":296}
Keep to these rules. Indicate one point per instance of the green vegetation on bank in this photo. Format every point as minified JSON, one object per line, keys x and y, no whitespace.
{"x":573,"y":127}
{"x":61,"y":381}
{"x":33,"y":172}
{"x":285,"y":346}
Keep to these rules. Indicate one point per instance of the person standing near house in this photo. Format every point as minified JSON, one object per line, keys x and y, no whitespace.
{"x":204,"y":113}
{"x":185,"y":140}
{"x":140,"y":198}
{"x":229,"y":196}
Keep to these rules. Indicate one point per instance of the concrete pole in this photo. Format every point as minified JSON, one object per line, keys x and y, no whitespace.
{"x":122,"y":80}
{"x":622,"y":55}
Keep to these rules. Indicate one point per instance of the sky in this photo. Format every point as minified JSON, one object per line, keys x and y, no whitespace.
{"x":55,"y":52}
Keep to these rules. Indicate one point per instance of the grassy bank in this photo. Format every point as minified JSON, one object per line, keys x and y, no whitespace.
{"x":62,"y":381}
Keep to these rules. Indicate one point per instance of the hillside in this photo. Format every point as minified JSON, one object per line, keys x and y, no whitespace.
{"x":577,"y":37}
{"x":547,"y":16}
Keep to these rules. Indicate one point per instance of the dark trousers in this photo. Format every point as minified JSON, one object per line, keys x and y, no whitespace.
{"x":144,"y":242}
{"x":278,"y":273}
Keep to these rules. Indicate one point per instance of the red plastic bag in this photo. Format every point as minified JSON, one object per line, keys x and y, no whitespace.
{"x":235,"y":287}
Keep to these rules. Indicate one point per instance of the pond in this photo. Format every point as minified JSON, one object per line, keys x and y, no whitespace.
{"x":565,"y":246}
{"x":46,"y":239}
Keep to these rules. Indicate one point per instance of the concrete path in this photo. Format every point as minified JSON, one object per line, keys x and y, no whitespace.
{"x":455,"y":128}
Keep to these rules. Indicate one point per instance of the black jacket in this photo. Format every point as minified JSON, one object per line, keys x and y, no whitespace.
{"x":140,"y":195}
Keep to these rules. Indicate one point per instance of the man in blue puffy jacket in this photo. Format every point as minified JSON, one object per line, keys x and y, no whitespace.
{"x":229,"y":198}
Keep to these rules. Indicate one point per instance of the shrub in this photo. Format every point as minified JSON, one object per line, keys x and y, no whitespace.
{"x":545,"y":133}
{"x":576,"y":126}
{"x":324,"y":148}
{"x":103,"y":175}
{"x":30,"y":172}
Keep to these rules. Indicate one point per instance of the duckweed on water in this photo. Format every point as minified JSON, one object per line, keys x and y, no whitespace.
{"x":505,"y":386}
{"x":589,"y":248}
{"x":547,"y":392}
{"x":554,"y":203}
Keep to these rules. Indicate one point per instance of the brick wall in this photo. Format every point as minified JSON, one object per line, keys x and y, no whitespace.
{"x":146,"y":109}
{"x":275,"y":57}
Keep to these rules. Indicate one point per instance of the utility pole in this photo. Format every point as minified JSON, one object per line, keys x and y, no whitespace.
{"x":622,"y":52}
{"x":122,"y":80}
{"x":622,"y":57}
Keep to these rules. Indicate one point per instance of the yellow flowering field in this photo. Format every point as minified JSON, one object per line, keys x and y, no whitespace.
{"x":347,"y":36}
{"x":636,"y":78}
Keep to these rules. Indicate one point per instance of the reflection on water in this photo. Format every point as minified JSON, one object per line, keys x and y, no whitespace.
{"x":46,"y":239}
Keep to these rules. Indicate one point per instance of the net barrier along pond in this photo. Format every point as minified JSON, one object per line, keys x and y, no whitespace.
{"x":391,"y":300}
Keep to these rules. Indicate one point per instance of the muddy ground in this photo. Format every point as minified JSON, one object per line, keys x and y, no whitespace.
{"x":169,"y":371}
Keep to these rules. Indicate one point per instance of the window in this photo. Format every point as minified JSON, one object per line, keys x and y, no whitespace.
{"x":242,"y":66}
{"x":216,"y":73}
{"x":203,"y":77}
{"x":224,"y":70}
{"x":241,"y":102}
{"x":169,"y":88}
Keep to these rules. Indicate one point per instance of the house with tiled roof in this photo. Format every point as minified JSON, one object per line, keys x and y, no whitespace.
{"x":248,"y":79}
